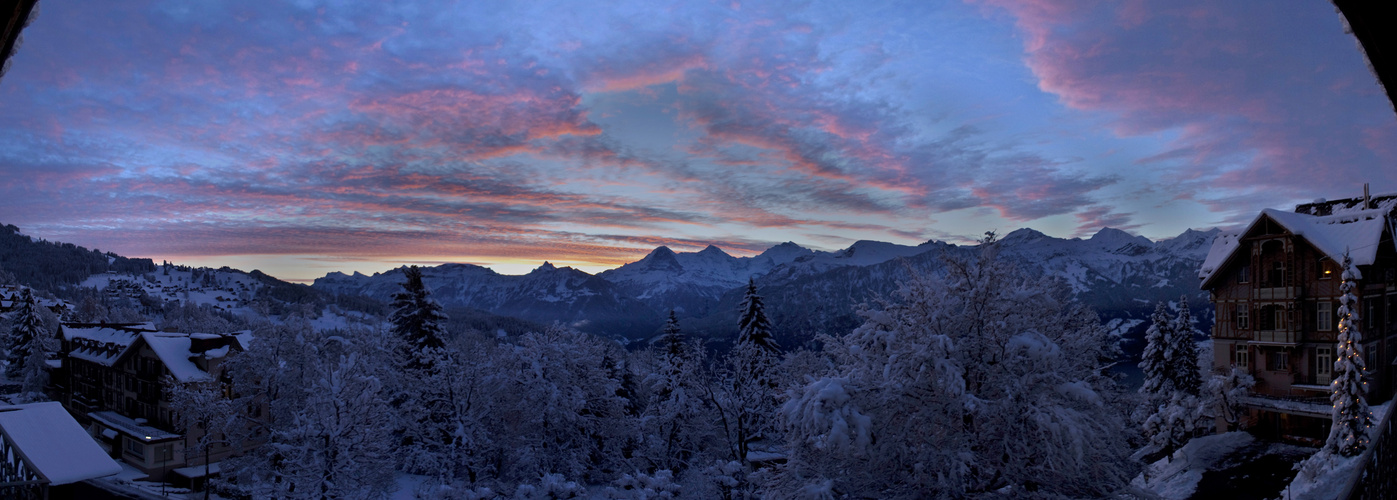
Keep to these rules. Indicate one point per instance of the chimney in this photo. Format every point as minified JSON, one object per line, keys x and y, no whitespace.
{"x":1366,"y":199}
{"x":199,"y":343}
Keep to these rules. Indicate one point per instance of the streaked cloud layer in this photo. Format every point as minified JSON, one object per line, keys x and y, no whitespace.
{"x":328,"y":136}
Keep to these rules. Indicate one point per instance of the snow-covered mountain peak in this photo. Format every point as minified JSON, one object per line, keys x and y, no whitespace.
{"x":783,"y":253}
{"x":1111,"y":238}
{"x":1192,"y":243}
{"x":713,"y":251}
{"x":660,"y":259}
{"x":1022,"y":236}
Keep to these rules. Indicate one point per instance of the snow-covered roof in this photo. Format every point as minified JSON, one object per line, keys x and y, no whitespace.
{"x":129,"y":427}
{"x":173,"y":351}
{"x":1354,"y":231}
{"x":103,"y":345}
{"x":54,"y":444}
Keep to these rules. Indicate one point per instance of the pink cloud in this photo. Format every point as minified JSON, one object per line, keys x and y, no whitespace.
{"x":1253,"y":101}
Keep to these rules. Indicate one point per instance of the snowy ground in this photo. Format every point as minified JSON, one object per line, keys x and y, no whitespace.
{"x":1234,"y":465}
{"x":228,"y":291}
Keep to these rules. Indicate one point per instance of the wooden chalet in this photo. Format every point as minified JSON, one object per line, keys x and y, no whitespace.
{"x":1275,"y":288}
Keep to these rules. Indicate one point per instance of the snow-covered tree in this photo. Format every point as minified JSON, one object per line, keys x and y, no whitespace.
{"x":1225,"y":393}
{"x":206,"y":413}
{"x":984,"y":380}
{"x":559,"y":408}
{"x":1183,"y":352}
{"x":675,"y":421}
{"x":418,"y":323}
{"x":25,"y":335}
{"x":752,"y":324}
{"x":338,"y":444}
{"x":327,"y":426}
{"x":1348,"y":435}
{"x":1154,"y":360}
{"x":1172,"y":409}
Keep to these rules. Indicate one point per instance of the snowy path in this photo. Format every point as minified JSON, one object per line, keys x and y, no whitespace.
{"x":1233,"y":465}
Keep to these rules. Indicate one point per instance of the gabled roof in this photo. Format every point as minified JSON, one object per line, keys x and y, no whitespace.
{"x":104,"y":345}
{"x":173,"y":351}
{"x":1354,"y":231}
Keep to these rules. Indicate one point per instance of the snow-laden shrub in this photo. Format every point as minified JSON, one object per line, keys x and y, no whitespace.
{"x":550,"y":487}
{"x":640,"y":486}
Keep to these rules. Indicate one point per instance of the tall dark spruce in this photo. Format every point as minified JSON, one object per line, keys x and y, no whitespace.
{"x":417,"y":323}
{"x":753,"y":326}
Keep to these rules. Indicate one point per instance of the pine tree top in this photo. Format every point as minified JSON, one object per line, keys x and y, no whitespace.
{"x":752,"y":323}
{"x":673,"y":336}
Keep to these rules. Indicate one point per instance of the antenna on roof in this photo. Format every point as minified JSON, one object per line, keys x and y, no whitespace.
{"x":1366,"y":198}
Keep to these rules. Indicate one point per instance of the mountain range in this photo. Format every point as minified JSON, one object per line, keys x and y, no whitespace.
{"x":807,"y":291}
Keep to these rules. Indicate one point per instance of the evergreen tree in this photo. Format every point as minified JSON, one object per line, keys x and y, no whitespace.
{"x":1154,"y":361}
{"x":417,"y":323}
{"x":753,"y":326}
{"x":26,"y":335}
{"x":673,"y":336}
{"x":1183,"y":352}
{"x":1172,"y":408}
{"x":1351,"y":419}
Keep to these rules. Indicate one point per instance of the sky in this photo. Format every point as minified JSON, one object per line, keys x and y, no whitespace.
{"x":306,"y":137}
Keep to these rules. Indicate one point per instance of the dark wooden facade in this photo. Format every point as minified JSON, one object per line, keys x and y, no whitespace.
{"x":1277,"y":303}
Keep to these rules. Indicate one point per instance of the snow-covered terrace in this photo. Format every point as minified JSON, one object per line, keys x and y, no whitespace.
{"x":115,"y":421}
{"x":1309,"y":407}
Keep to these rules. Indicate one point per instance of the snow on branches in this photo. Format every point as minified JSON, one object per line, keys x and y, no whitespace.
{"x":1348,"y":435}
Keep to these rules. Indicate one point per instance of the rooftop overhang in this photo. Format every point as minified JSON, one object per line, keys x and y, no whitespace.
{"x":14,"y":14}
{"x":1372,"y":24}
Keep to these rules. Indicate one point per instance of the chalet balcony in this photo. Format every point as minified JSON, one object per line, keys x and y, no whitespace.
{"x":1275,"y":293}
{"x":1274,"y":337}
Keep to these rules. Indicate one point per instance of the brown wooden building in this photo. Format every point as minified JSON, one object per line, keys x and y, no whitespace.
{"x":1275,"y":286}
{"x":114,"y":379}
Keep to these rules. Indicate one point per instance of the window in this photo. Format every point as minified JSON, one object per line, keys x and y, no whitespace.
{"x":1277,"y":361}
{"x":1272,"y":318}
{"x":1324,"y":362}
{"x":1324,"y":317}
{"x":1277,"y":275}
{"x":1243,"y":313}
{"x":1244,"y":274}
{"x":135,"y":448}
{"x":1243,"y":361}
{"x":1370,"y":318}
{"x":1370,"y":356}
